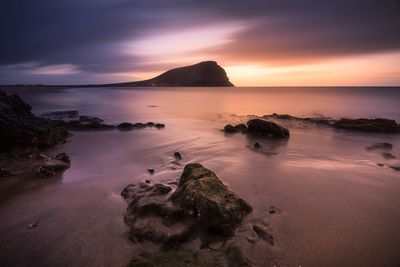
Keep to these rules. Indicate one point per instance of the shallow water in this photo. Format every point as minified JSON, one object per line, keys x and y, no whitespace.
{"x":338,"y":208}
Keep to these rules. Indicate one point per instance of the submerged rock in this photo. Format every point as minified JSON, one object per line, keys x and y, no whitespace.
{"x":369,"y":125}
{"x":263,"y":233}
{"x":266,"y":129}
{"x":202,"y":195}
{"x":21,"y":129}
{"x":178,"y":156}
{"x":388,"y":156}
{"x":383,"y":146}
{"x":229,"y":128}
{"x":87,"y":123}
{"x":229,"y":257}
{"x":52,"y":167}
{"x":159,"y":125}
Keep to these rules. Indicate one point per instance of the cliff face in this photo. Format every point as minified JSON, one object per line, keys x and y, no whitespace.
{"x":207,"y":73}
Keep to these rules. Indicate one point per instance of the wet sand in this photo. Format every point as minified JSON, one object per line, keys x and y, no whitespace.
{"x":336,"y":206}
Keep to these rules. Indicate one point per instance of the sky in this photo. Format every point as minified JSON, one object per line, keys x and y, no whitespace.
{"x":259,"y":43}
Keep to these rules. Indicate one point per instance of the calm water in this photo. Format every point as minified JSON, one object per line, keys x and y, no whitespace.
{"x":338,"y":207}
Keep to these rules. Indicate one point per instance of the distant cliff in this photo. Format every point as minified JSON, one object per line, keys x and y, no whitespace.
{"x":207,"y":73}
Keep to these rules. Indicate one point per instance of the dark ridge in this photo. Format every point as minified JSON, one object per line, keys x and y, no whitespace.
{"x":207,"y":73}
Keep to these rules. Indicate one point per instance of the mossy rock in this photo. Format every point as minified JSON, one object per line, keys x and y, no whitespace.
{"x":201,"y":194}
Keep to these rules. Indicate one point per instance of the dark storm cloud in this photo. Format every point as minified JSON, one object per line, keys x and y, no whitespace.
{"x":88,"y":33}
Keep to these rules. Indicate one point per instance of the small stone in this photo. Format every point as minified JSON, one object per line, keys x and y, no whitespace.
{"x":396,"y":168}
{"x":177,"y":156}
{"x":380,"y":164}
{"x":262,"y":232}
{"x":147,"y":181}
{"x":159,"y":125}
{"x":257,"y":146}
{"x":151,"y":171}
{"x":32,"y":226}
{"x":388,"y":156}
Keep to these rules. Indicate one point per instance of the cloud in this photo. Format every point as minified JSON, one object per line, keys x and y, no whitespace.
{"x":98,"y":38}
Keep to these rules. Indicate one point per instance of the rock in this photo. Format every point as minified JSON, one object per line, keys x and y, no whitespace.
{"x":150,"y":124}
{"x":281,"y":116}
{"x":87,"y":123}
{"x":161,"y":189}
{"x":63,"y":157}
{"x":388,"y":156}
{"x":151,"y":171}
{"x":380,"y":164}
{"x":4,"y":172}
{"x":61,"y":115}
{"x":177,"y":156}
{"x":51,"y":168}
{"x":369,"y":125}
{"x":203,"y":196}
{"x":266,"y":129}
{"x":207,"y":73}
{"x":262,"y":232}
{"x":138,"y":125}
{"x":33,"y":226}
{"x":20,"y":129}
{"x":257,"y":146}
{"x":396,"y":168}
{"x":125,"y":126}
{"x":159,"y":125}
{"x":229,"y":128}
{"x":383,"y":146}
{"x":229,"y":257}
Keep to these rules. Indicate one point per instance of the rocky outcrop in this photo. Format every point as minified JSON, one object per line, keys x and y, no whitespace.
{"x":21,"y":129}
{"x":201,"y":194}
{"x":266,"y":129}
{"x":207,"y":73}
{"x":229,"y":128}
{"x":369,"y":125}
{"x":200,"y":205}
{"x":229,"y":257}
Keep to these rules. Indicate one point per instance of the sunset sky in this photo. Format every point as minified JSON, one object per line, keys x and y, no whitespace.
{"x":265,"y":42}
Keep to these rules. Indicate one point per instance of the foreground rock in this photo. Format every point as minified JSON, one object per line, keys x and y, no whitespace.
{"x":369,"y":125}
{"x":21,"y":130}
{"x":51,"y":167}
{"x":266,"y":129}
{"x":201,"y":194}
{"x":201,"y":206}
{"x":230,"y":257}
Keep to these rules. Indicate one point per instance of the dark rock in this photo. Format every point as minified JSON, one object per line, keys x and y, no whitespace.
{"x":369,"y":125}
{"x":262,"y":232}
{"x":87,"y":123}
{"x":177,"y":156}
{"x":229,"y":257}
{"x":207,"y":73}
{"x":20,"y":129}
{"x":266,"y":129}
{"x":396,"y":168}
{"x":229,"y":128}
{"x":125,"y":126}
{"x":51,"y":168}
{"x":147,"y":181}
{"x":202,"y":195}
{"x":63,"y":157}
{"x":151,"y":170}
{"x":281,"y":116}
{"x":61,"y":115}
{"x":150,"y":124}
{"x":161,"y":189}
{"x":139,"y":125}
{"x":4,"y":172}
{"x":159,"y":125}
{"x":257,"y":146}
{"x":383,"y":146}
{"x":388,"y":156}
{"x":380,"y":164}
{"x":33,"y":226}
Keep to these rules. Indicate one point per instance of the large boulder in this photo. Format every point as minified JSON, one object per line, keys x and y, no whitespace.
{"x":21,"y":129}
{"x":369,"y":125}
{"x":266,"y":129}
{"x":202,"y":195}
